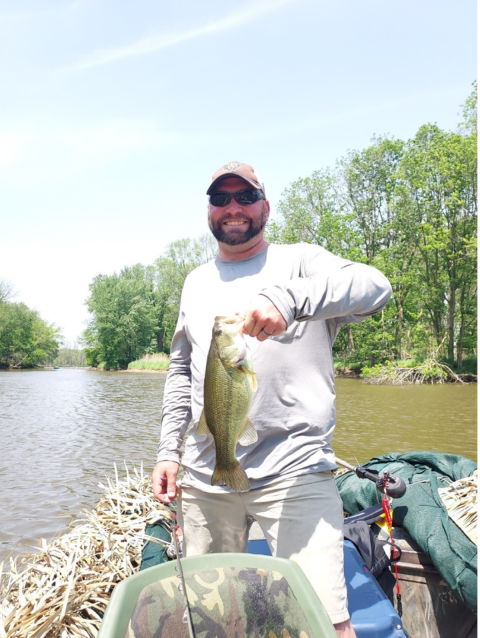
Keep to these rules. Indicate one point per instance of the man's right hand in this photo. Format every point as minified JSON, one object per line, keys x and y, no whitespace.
{"x":164,"y":481}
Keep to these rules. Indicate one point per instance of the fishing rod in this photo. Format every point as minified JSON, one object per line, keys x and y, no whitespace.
{"x":187,"y":616}
{"x":395,"y":487}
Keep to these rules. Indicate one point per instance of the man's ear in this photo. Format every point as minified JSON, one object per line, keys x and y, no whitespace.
{"x":267,"y":209}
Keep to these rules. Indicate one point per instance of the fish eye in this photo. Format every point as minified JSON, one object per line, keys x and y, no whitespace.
{"x":218,"y":332}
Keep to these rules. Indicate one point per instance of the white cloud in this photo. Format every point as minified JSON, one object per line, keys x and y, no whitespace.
{"x":163,"y":40}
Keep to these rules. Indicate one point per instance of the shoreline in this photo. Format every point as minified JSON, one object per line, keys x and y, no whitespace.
{"x":143,"y":371}
{"x":465,"y":377}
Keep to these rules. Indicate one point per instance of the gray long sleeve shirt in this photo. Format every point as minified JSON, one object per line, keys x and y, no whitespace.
{"x":293,"y":409}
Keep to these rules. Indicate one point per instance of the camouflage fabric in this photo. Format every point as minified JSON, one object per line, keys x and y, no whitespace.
{"x":225,"y":603}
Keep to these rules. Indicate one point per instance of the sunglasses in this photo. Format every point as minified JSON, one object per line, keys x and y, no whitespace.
{"x":244,"y":198}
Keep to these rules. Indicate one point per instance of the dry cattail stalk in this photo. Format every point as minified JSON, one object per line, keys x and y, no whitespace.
{"x":460,"y":499}
{"x":60,"y":591}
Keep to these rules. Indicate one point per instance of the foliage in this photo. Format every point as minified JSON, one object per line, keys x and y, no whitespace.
{"x":470,"y":366}
{"x":7,"y":291}
{"x":26,"y":340}
{"x":409,"y":209}
{"x":135,"y":312}
{"x":429,"y":371}
{"x":70,"y":358}
{"x":124,"y":319}
{"x":155,"y":361}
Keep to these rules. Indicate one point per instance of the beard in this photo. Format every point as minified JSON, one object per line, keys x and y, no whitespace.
{"x":236,"y":237}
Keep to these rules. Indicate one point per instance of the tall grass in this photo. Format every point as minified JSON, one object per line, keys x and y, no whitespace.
{"x":155,"y":361}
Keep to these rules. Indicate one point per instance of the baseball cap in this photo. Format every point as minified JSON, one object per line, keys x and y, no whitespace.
{"x":236,"y":169}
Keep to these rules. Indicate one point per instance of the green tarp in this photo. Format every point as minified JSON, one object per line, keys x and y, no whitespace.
{"x":421,"y":512}
{"x":153,"y":553}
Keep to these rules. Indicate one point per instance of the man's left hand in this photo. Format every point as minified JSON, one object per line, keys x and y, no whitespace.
{"x":263,"y":319}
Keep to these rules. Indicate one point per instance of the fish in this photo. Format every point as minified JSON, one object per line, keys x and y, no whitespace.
{"x":230,"y":383}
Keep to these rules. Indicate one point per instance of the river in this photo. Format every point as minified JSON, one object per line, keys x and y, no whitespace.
{"x":61,"y":432}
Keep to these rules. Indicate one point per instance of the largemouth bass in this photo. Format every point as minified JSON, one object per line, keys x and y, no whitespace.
{"x":228,"y":392}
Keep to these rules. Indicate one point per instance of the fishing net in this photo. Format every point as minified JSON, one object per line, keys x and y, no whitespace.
{"x":421,"y":511}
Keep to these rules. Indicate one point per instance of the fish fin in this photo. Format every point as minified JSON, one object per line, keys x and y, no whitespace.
{"x":202,"y":427}
{"x":233,"y":476}
{"x":252,"y":374}
{"x":248,"y":435}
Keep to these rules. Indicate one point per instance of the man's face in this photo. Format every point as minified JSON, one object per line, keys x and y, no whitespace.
{"x":235,"y":224}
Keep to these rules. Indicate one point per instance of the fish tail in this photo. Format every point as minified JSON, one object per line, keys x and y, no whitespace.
{"x":233,"y":476}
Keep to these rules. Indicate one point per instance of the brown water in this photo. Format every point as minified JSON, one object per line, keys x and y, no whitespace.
{"x":61,"y":431}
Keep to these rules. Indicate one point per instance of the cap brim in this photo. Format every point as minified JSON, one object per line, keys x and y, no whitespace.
{"x":215,"y":183}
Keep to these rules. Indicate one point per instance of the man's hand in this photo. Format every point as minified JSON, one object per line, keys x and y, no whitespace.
{"x":263,"y":320}
{"x":164,"y":479}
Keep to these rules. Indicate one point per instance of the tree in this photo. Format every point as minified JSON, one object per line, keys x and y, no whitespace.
{"x":170,"y":272}
{"x":135,"y":312}
{"x":439,"y":181}
{"x":25,"y":339}
{"x":123,"y":324}
{"x":410,"y":209}
{"x":7,"y":291}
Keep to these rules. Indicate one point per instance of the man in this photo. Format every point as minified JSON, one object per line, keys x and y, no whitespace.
{"x":295,"y":299}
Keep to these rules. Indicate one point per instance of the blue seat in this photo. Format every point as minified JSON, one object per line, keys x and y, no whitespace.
{"x":371,"y":612}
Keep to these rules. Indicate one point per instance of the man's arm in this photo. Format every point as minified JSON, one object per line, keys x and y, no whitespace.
{"x":332,"y":288}
{"x":176,"y":415}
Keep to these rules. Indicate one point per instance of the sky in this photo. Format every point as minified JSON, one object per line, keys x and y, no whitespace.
{"x":115,"y":114}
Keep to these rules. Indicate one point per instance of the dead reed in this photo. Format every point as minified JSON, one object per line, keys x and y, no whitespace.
{"x":460,"y":499}
{"x":63,"y":590}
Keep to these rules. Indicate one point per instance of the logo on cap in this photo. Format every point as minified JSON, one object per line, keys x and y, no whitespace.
{"x":231,"y":166}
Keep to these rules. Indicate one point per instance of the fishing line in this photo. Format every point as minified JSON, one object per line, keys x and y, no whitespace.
{"x":187,"y":616}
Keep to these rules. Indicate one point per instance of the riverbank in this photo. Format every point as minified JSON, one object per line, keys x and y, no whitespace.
{"x":141,"y":371}
{"x":342,"y":374}
{"x":408,"y":372}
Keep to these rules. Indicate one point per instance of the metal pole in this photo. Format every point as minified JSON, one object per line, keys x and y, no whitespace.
{"x":344,"y":464}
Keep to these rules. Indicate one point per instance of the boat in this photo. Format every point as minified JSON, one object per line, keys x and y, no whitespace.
{"x":243,"y":595}
{"x":89,"y":581}
{"x":427,"y":607}
{"x":251,"y":594}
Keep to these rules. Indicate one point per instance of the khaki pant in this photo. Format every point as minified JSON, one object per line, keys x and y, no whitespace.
{"x":301,"y":518}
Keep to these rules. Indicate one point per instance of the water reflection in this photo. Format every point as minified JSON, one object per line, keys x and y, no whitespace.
{"x":61,"y":432}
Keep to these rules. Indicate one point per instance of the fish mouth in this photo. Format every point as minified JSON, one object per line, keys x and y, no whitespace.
{"x":228,"y":321}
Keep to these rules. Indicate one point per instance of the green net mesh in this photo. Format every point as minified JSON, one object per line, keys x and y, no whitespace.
{"x":421,"y":512}
{"x":225,"y":602}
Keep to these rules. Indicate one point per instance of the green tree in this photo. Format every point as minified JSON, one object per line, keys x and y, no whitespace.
{"x":385,"y":232}
{"x":7,"y":291}
{"x":135,"y":312}
{"x":26,"y":340}
{"x":410,"y":209}
{"x":123,"y":324}
{"x":313,"y":212}
{"x":170,"y":272}
{"x":70,"y":355}
{"x":438,"y":180}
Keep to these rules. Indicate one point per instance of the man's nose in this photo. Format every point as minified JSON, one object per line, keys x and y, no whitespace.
{"x":233,"y":206}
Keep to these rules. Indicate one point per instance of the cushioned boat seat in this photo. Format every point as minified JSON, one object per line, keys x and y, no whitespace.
{"x":230,"y":596}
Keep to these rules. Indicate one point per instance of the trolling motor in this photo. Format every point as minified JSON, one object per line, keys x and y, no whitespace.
{"x":394,"y":487}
